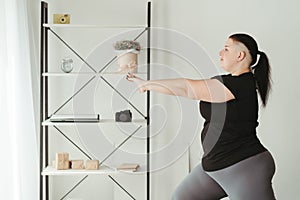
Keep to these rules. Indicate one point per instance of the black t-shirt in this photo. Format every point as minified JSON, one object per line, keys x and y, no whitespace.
{"x":229,"y":132}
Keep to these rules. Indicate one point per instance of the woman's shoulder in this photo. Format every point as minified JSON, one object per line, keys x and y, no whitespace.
{"x":238,"y":85}
{"x":241,"y":77}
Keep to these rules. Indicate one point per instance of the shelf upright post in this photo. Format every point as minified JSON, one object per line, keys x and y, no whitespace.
{"x":148,"y":98}
{"x":44,"y":182}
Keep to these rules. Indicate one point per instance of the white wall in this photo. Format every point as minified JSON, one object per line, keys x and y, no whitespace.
{"x":274,"y":25}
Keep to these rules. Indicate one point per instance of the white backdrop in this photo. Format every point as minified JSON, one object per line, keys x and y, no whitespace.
{"x":276,"y":28}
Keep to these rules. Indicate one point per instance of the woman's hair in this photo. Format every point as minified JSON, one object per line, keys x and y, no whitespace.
{"x":261,"y":68}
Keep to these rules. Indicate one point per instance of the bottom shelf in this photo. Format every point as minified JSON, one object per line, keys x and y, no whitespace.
{"x":51,"y":171}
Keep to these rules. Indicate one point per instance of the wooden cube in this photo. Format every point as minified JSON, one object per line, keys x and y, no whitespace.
{"x":62,"y":161}
{"x":77,"y":164}
{"x":92,"y":164}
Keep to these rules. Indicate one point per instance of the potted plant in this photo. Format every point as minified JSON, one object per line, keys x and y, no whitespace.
{"x":127,"y":55}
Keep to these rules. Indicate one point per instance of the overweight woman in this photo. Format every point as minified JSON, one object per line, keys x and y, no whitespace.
{"x":234,"y":163}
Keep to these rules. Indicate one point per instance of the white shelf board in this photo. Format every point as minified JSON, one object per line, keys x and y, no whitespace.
{"x":93,"y":26}
{"x":50,"y":171}
{"x":48,"y":74}
{"x":102,"y":121}
{"x":136,"y":121}
{"x":68,"y":74}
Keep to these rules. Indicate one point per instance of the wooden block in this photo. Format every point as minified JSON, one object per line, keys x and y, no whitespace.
{"x":92,"y":164}
{"x":77,"y":164}
{"x":62,"y":157}
{"x":62,"y":161}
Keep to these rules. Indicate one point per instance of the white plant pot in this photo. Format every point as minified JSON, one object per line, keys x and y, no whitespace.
{"x":127,"y":62}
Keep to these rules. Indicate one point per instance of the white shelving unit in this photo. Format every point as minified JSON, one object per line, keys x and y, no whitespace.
{"x":45,"y":123}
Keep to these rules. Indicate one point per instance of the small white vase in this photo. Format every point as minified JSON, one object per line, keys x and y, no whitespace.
{"x":127,"y":62}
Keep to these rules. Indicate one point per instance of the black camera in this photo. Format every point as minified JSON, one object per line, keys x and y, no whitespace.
{"x":123,"y":116}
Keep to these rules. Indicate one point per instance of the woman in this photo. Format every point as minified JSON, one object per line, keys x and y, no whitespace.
{"x":235,"y":163}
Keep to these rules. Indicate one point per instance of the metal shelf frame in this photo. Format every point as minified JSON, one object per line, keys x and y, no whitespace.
{"x":45,"y":29}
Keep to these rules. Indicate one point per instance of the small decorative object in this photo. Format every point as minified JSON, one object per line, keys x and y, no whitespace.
{"x":61,"y":19}
{"x":62,"y":161}
{"x":128,"y":167}
{"x":92,"y":165}
{"x":77,"y":164}
{"x":123,"y":116}
{"x":67,"y":65}
{"x":127,"y":58}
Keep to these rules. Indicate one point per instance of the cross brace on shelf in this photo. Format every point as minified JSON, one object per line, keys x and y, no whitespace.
{"x":94,"y":76}
{"x":109,"y":155}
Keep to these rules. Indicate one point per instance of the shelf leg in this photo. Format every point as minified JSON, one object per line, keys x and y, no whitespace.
{"x":148,"y":145}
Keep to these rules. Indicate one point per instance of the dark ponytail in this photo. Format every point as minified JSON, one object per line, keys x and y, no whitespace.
{"x":261,"y":67}
{"x":262,"y":76}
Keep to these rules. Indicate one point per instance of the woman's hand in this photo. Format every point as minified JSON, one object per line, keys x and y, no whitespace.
{"x":141,"y":83}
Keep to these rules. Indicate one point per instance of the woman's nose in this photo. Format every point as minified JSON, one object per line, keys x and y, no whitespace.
{"x":220,"y":52}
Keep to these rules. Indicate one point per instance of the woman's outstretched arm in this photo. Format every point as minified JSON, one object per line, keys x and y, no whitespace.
{"x":210,"y":90}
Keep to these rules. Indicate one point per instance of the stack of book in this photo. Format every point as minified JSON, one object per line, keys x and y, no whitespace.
{"x":75,"y":118}
{"x":128,"y":167}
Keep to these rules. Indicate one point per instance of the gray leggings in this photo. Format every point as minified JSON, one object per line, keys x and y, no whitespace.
{"x":246,"y":180}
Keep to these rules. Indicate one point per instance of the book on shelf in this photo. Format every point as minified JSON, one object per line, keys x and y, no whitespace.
{"x":128,"y":167}
{"x":75,"y":118}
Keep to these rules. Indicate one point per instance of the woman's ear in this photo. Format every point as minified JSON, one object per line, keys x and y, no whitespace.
{"x":242,"y":55}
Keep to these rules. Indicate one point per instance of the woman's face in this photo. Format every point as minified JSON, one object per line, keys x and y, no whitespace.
{"x":229,"y":56}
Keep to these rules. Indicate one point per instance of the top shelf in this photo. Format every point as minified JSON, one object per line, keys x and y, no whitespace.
{"x":92,"y":26}
{"x":85,"y":73}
